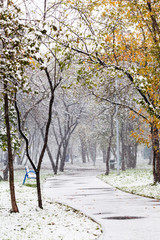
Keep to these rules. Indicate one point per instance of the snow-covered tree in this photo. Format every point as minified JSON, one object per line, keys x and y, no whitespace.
{"x":122,"y":37}
{"x":17,"y":46}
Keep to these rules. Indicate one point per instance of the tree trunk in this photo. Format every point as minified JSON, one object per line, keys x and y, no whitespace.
{"x":71,"y":154}
{"x":109,"y":146}
{"x":5,"y":173}
{"x":83,"y":151}
{"x":93,"y":151}
{"x":51,"y":159}
{"x":83,"y":145}
{"x":135,"y":155}
{"x":108,"y":157}
{"x":57,"y":159}
{"x":62,"y":162}
{"x":65,"y":147}
{"x":49,"y":154}
{"x":156,"y":153}
{"x":39,"y":190}
{"x":10,"y":155}
{"x":150,"y":158}
{"x":104,"y":153}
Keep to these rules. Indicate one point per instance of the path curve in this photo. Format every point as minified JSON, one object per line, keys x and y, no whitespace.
{"x":123,"y":216}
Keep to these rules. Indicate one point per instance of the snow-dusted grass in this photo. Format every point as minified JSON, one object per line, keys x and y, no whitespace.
{"x":137,"y":181}
{"x":55,"y":221}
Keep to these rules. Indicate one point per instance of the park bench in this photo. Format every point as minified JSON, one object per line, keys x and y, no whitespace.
{"x":29,"y":174}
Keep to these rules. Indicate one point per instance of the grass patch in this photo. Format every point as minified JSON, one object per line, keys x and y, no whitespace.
{"x":135,"y":181}
{"x":33,"y":185}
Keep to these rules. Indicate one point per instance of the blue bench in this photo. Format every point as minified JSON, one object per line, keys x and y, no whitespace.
{"x":29,"y":174}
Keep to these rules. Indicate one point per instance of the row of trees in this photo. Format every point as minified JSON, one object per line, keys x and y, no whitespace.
{"x":78,"y":128}
{"x":120,"y":39}
{"x":54,"y":64}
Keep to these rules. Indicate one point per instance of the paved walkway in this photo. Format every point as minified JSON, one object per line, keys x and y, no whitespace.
{"x":123,"y":216}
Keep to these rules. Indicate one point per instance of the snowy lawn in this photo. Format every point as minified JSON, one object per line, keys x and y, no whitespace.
{"x":54,"y":222}
{"x":137,"y":181}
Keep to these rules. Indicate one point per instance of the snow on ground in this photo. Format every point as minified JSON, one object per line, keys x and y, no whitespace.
{"x":54,"y":221}
{"x":137,"y":181}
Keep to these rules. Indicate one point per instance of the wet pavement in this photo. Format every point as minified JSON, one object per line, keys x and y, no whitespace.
{"x":123,"y":216}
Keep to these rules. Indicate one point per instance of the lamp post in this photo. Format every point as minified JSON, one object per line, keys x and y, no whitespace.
{"x":117,"y":135}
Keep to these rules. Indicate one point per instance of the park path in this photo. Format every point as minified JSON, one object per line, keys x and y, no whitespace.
{"x":123,"y":216}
